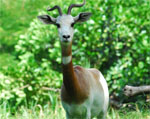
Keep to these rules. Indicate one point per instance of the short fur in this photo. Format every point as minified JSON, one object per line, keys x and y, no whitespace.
{"x":84,"y":93}
{"x":92,"y":95}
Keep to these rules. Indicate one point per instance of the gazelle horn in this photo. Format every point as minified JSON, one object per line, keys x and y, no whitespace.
{"x":55,"y":7}
{"x":74,"y":5}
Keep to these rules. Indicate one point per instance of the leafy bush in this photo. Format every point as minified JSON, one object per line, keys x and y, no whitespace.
{"x":34,"y":71}
{"x":116,"y":40}
{"x":34,"y":50}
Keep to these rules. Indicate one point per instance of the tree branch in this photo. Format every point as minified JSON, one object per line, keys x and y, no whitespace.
{"x":51,"y":89}
{"x":132,"y":90}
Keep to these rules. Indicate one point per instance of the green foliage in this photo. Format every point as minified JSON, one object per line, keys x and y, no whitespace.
{"x":130,"y":32}
{"x":116,"y":40}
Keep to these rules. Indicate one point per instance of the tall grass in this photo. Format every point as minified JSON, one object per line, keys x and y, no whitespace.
{"x":48,"y":112}
{"x":34,"y":112}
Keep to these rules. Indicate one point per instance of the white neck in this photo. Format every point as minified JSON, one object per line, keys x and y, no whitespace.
{"x":66,"y":59}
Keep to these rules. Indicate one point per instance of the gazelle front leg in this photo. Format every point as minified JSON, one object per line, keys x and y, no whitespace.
{"x":88,"y":115}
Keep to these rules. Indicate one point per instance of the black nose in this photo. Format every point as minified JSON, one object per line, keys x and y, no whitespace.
{"x":66,"y":36}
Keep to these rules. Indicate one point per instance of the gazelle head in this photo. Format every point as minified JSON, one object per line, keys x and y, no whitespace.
{"x":65,"y":22}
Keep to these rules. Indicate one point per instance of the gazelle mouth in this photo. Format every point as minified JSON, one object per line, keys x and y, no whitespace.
{"x":66,"y":40}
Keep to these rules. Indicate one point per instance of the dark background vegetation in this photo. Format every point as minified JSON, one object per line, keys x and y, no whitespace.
{"x":116,"y":40}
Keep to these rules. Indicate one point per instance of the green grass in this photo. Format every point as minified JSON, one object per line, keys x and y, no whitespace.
{"x":6,"y":60}
{"x":15,"y":18}
{"x":35,"y":112}
{"x":124,"y":114}
{"x":46,"y":112}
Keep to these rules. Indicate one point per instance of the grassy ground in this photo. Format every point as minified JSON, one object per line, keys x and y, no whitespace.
{"x":37,"y":112}
{"x":15,"y":18}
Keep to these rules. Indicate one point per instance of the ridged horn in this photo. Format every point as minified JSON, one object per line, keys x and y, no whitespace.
{"x":75,"y":5}
{"x":55,"y":7}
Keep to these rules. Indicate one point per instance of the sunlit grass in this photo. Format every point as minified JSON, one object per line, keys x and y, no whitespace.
{"x":124,"y":114}
{"x":35,"y":112}
{"x":46,"y":112}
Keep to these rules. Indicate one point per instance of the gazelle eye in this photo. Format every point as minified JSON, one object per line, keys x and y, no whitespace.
{"x":72,"y":24}
{"x":58,"y":25}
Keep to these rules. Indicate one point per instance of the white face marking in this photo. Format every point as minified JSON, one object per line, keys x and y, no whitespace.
{"x":65,"y":28}
{"x":66,"y":60}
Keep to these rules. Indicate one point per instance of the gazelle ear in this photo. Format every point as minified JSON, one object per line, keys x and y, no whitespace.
{"x":84,"y":16}
{"x":46,"y":19}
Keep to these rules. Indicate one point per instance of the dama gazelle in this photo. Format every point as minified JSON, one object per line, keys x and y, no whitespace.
{"x":84,"y":93}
